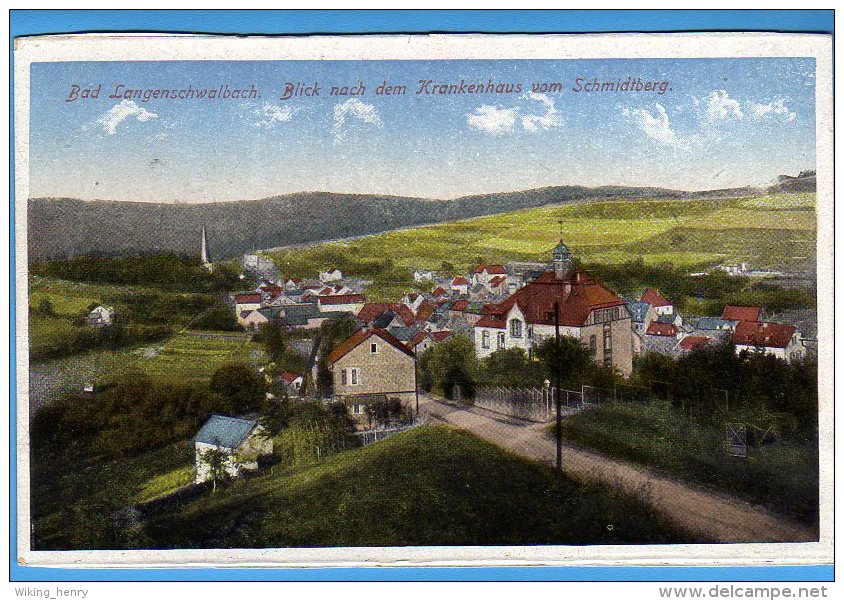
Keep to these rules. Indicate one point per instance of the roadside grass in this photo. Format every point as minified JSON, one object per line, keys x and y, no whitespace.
{"x":433,"y":485}
{"x":782,"y":476}
{"x":73,"y":502}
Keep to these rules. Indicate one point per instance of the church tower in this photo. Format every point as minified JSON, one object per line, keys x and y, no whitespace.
{"x":561,"y":260}
{"x":206,"y":261}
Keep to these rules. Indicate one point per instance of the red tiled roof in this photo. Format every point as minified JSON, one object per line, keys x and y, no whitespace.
{"x":654,"y":298}
{"x":342,"y":299}
{"x":459,"y":305}
{"x":497,"y":280}
{"x":425,"y":310}
{"x":405,"y":312}
{"x":361,"y":336}
{"x":690,"y":343}
{"x":442,"y":335}
{"x":439,"y":291}
{"x":578,"y":293}
{"x":326,"y":291}
{"x":490,"y":321}
{"x":661,"y":329}
{"x":761,"y":333}
{"x":416,"y":340}
{"x":491,"y":269}
{"x":252,"y":297}
{"x":372,"y":311}
{"x":288,"y":376}
{"x":741,"y":313}
{"x":460,"y":281}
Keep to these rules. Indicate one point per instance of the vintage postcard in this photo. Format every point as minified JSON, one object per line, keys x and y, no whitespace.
{"x":424,"y":300}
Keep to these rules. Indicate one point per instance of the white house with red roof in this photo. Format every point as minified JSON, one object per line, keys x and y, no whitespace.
{"x":245,"y":303}
{"x":484,"y":273}
{"x":291,"y":381}
{"x":660,"y":304}
{"x":777,"y":339}
{"x":588,"y":311}
{"x":460,"y":285}
{"x":352,"y":303}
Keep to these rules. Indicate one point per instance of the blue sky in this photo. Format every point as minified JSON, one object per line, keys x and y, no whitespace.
{"x":721,"y":123}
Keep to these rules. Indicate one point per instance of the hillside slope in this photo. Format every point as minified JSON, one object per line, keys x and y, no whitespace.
{"x":430,"y":486}
{"x":65,"y":227}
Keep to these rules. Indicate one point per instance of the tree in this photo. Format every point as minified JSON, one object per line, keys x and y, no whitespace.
{"x":331,"y":333}
{"x":511,"y":367}
{"x":572,"y":361}
{"x":241,"y":385}
{"x":45,"y":308}
{"x":215,"y":459}
{"x":449,"y":364}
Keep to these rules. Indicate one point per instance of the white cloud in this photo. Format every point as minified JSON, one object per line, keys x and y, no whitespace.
{"x":551,"y":118}
{"x":720,"y":107}
{"x":121,"y":111}
{"x":498,"y":120}
{"x":354,"y":108}
{"x":656,"y":126}
{"x":270,"y":114}
{"x":493,"y":120}
{"x":773,"y":110}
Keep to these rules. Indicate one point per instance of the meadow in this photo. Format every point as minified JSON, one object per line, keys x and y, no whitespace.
{"x":767,"y":231}
{"x":433,"y":485}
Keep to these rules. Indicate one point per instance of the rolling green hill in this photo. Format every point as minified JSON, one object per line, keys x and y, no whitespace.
{"x":430,"y":486}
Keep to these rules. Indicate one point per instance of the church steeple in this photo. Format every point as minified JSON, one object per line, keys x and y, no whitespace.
{"x":206,"y":261}
{"x":561,"y":260}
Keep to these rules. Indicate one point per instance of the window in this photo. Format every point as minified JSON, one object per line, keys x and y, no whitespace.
{"x":344,"y":377}
{"x":593,"y":345}
{"x":516,"y":328}
{"x":373,"y":348}
{"x":355,"y":376}
{"x":358,"y":409}
{"x":485,"y":339}
{"x":502,"y":337}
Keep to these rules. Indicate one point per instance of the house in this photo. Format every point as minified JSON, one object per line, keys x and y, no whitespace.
{"x":691,"y":343}
{"x":292,"y":283}
{"x":742,"y":313}
{"x":588,"y":311}
{"x":352,"y":303}
{"x":657,"y":328}
{"x":655,"y":299}
{"x":252,"y":320}
{"x":422,"y":276}
{"x":422,"y":341}
{"x":101,"y":316}
{"x":457,"y":308}
{"x":438,"y":293}
{"x":641,"y":315}
{"x":240,"y":440}
{"x":372,"y":311}
{"x":484,"y":273}
{"x":777,"y":339}
{"x":291,"y":382}
{"x":331,"y":275}
{"x":460,"y":285}
{"x":715,"y":324}
{"x":498,"y":285}
{"x":412,"y":300}
{"x":521,"y":272}
{"x":425,"y":310}
{"x":245,"y":302}
{"x":370,"y":365}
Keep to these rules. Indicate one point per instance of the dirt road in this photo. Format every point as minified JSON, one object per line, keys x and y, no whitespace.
{"x":712,"y":516}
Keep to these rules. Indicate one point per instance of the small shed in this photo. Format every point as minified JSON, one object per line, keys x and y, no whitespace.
{"x":241,"y":440}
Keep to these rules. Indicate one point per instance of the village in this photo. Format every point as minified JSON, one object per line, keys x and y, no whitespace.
{"x":517,"y":305}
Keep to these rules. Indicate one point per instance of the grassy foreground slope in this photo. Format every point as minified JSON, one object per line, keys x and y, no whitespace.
{"x":431,"y":486}
{"x":768,"y":231}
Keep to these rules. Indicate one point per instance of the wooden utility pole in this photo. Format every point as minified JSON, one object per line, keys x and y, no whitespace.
{"x":559,"y":428}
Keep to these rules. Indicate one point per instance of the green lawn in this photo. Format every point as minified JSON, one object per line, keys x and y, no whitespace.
{"x":782,"y":476}
{"x":770,"y":231}
{"x":431,"y":486}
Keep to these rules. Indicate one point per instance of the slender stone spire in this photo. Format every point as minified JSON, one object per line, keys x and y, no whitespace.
{"x":206,"y":261}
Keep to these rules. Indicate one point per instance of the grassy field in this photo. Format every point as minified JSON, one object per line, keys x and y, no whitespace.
{"x":187,"y":358}
{"x":72,"y":504}
{"x":783,"y":477}
{"x":431,"y":486}
{"x":772,"y":231}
